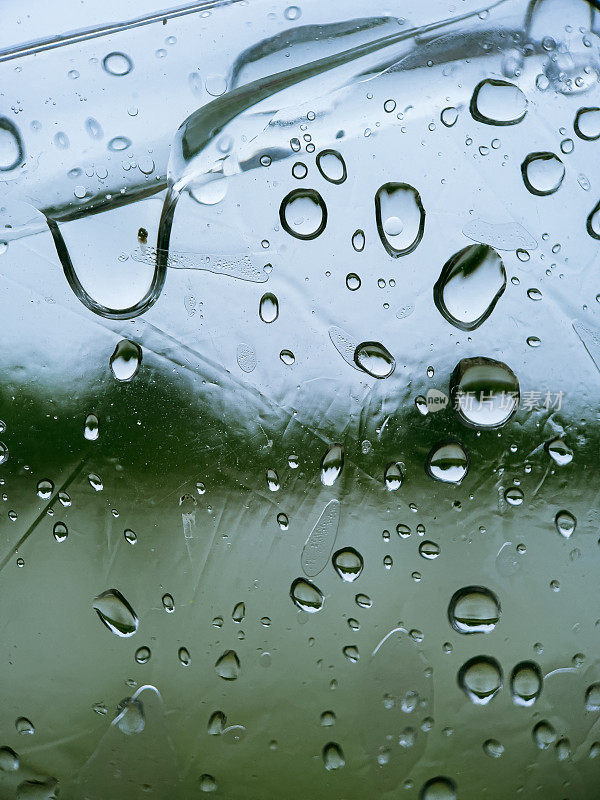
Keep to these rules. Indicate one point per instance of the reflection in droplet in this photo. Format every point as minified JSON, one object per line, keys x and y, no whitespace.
{"x":587,"y":123}
{"x":469,"y":286}
{"x":543,"y":173}
{"x":91,"y":430}
{"x":484,"y":392}
{"x":480,"y":678}
{"x":448,"y":462}
{"x":116,"y":613}
{"x":306,"y":596}
{"x":393,"y":476}
{"x":273,"y":480}
{"x":45,"y":488}
{"x":125,"y":360}
{"x":498,"y":102}
{"x":333,"y":756}
{"x":268,"y":308}
{"x":348,"y":563}
{"x":332,"y":166}
{"x":400,"y":218}
{"x":374,"y":359}
{"x":60,"y":531}
{"x":227,"y":666}
{"x":514,"y":496}
{"x":168,"y":603}
{"x":303,"y":214}
{"x":474,"y":609}
{"x":332,"y":464}
{"x":525,"y":683}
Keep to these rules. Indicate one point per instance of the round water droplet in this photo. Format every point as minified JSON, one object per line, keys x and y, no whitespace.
{"x":400,"y":218}
{"x":95,"y":482}
{"x":45,"y":488}
{"x":332,"y":464}
{"x":565,"y":524}
{"x":332,"y":166}
{"x":333,"y":756}
{"x":525,"y":683}
{"x":348,"y":563}
{"x":448,"y":462}
{"x":474,"y":609}
{"x":207,"y":783}
{"x":480,"y":678}
{"x":469,"y":286}
{"x":306,"y":596}
{"x":544,"y":734}
{"x":130,"y":536}
{"x":268,"y":308}
{"x":374,"y":359}
{"x":542,"y":173}
{"x":439,"y":788}
{"x":116,"y":613}
{"x":493,"y":748}
{"x":353,"y":281}
{"x":125,"y":360}
{"x":514,"y":496}
{"x":12,"y":152}
{"x":559,"y":452}
{"x":227,"y":666}
{"x":358,"y":240}
{"x":587,"y":123}
{"x":592,"y":697}
{"x":60,"y":531}
{"x":24,"y":726}
{"x":283,"y":521}
{"x":303,"y":214}
{"x":142,"y":655}
{"x":429,"y":550}
{"x":117,"y":64}
{"x":393,"y":476}
{"x":484,"y":392}
{"x":498,"y":102}
{"x":91,"y":430}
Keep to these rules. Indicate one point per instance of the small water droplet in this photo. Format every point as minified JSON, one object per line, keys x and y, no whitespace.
{"x":273,"y":480}
{"x":333,"y":756}
{"x":393,"y":476}
{"x":332,"y":166}
{"x":303,"y":214}
{"x":353,"y":281}
{"x":544,"y":734}
{"x":358,"y":240}
{"x":565,"y":524}
{"x":91,"y":429}
{"x":592,"y":697}
{"x":184,"y":657}
{"x":525,"y":683}
{"x":117,"y":64}
{"x":449,"y":116}
{"x":60,"y":531}
{"x":207,"y":783}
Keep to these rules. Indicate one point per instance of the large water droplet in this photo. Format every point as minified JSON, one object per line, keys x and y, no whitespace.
{"x":60,"y":531}
{"x":374,"y":359}
{"x":565,"y":524}
{"x":542,"y":173}
{"x":303,"y":213}
{"x":592,"y":697}
{"x":332,"y":464}
{"x":306,"y":595}
{"x":268,"y":308}
{"x":474,"y":609}
{"x":400,"y":218}
{"x":227,"y":666}
{"x":125,"y":360}
{"x":45,"y":488}
{"x":116,"y":613}
{"x":497,"y":102}
{"x":587,"y":123}
{"x":393,"y":476}
{"x":439,"y":788}
{"x":348,"y":563}
{"x":332,"y":166}
{"x":480,"y":678}
{"x":333,"y":756}
{"x":484,"y":392}
{"x":525,"y":683}
{"x":448,"y":462}
{"x":470,"y":284}
{"x":12,"y":151}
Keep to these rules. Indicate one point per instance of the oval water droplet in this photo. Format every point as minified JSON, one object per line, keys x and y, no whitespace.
{"x":168,"y":603}
{"x":333,"y":756}
{"x":484,"y":392}
{"x":306,"y":596}
{"x":429,"y":550}
{"x":60,"y":531}
{"x":448,"y":462}
{"x":565,"y":524}
{"x":12,"y":152}
{"x":142,"y":655}
{"x":303,"y":214}
{"x":493,"y":748}
{"x":449,"y":116}
{"x":400,"y":218}
{"x":525,"y":683}
{"x":592,"y":697}
{"x":358,"y":240}
{"x":91,"y":430}
{"x":117,"y":64}
{"x":45,"y":488}
{"x":474,"y":609}
{"x":332,"y":464}
{"x":184,"y":657}
{"x":268,"y":308}
{"x":393,"y":476}
{"x":544,"y":734}
{"x":514,"y":496}
{"x":273,"y":480}
{"x":3,"y":453}
{"x":125,"y":360}
{"x":24,"y":726}
{"x":374,"y":359}
{"x":587,"y":123}
{"x":332,"y":166}
{"x":439,"y":788}
{"x":228,"y":666}
{"x":498,"y":102}
{"x":480,"y":678}
{"x":116,"y":613}
{"x":469,"y":286}
{"x":348,"y":563}
{"x":559,"y":452}
{"x":542,"y":173}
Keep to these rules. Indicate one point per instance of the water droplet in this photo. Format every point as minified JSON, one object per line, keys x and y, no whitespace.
{"x":60,"y":531}
{"x":448,"y":462}
{"x":125,"y":360}
{"x":303,"y":213}
{"x":239,"y":613}
{"x":484,"y":392}
{"x":116,"y":613}
{"x":559,"y":452}
{"x":542,"y":173}
{"x":287,"y":357}
{"x":332,"y":464}
{"x":400,"y":218}
{"x":514,"y":496}
{"x":306,"y":596}
{"x":393,"y":476}
{"x":533,"y":341}
{"x":498,"y":102}
{"x":3,"y":452}
{"x":353,"y":281}
{"x":216,"y":723}
{"x":438,"y":789}
{"x":117,"y":64}
{"x":299,"y":170}
{"x":9,"y":760}
{"x":12,"y":152}
{"x":374,"y":359}
{"x":348,"y":563}
{"x":268,"y":308}
{"x":525,"y":683}
{"x":130,"y":716}
{"x":358,"y":240}
{"x":227,"y":666}
{"x":449,"y":116}
{"x":333,"y":756}
{"x":544,"y":735}
{"x":184,"y":657}
{"x":283,"y":521}
{"x":565,"y":524}
{"x":45,"y":488}
{"x":469,"y":286}
{"x":273,"y":480}
{"x":587,"y":123}
{"x":24,"y":726}
{"x":592,"y":697}
{"x":480,"y":678}
{"x":493,"y":748}
{"x":142,"y":655}
{"x":119,"y":143}
{"x":474,"y":609}
{"x":332,"y":166}
{"x":207,"y":783}
{"x":91,"y":430}
{"x":429,"y":550}
{"x":363,"y":601}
